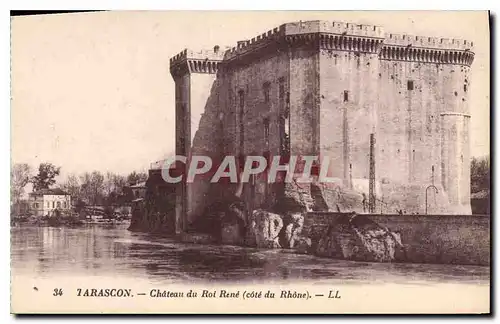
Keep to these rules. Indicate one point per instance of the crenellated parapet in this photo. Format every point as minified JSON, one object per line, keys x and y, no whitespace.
{"x":427,"y":49}
{"x":256,"y":43}
{"x":329,"y":35}
{"x":349,"y":43}
{"x":333,"y":27}
{"x":189,"y":61}
{"x":323,"y":34}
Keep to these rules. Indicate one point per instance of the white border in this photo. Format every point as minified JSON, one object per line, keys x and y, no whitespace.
{"x":184,"y":5}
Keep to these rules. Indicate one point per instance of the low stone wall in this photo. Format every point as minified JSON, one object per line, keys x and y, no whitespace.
{"x":448,"y":239}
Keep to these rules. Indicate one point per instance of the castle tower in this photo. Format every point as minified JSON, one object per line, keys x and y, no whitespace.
{"x":348,"y":95}
{"x":389,"y":111}
{"x":455,"y":141}
{"x":197,"y":120}
{"x":423,"y":121}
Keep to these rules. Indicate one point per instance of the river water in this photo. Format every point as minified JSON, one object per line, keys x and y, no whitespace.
{"x":112,"y":251}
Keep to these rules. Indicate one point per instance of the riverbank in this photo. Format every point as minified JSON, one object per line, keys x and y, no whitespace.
{"x":430,"y":239}
{"x":66,"y":221}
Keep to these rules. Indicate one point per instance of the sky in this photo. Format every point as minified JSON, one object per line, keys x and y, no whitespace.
{"x":92,"y":91}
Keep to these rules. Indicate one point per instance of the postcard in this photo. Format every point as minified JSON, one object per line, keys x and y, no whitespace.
{"x":250,"y":162}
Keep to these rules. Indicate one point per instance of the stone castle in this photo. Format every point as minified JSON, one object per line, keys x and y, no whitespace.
{"x":390,"y":111}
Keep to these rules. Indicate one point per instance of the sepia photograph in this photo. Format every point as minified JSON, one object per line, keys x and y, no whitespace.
{"x":265,"y":162}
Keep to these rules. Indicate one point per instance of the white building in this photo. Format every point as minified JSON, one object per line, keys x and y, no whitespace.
{"x":47,"y":202}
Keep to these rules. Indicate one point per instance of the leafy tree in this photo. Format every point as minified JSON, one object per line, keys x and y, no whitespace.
{"x":47,"y":172}
{"x":20,"y":174}
{"x":480,"y":174}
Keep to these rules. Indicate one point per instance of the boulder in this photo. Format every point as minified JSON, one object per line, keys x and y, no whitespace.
{"x":293,"y":225}
{"x":358,"y":238}
{"x":265,"y":228}
{"x":295,"y":199}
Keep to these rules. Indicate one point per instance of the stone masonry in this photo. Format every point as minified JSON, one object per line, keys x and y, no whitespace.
{"x":323,"y":88}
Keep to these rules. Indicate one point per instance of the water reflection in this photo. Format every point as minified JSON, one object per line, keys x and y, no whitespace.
{"x":112,"y":250}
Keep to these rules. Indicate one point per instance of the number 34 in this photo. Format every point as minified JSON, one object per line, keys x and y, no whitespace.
{"x":57,"y":292}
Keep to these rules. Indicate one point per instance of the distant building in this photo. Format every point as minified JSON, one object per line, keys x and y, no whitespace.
{"x":47,"y":202}
{"x":138,"y":190}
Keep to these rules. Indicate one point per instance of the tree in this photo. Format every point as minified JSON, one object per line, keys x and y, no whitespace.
{"x":92,"y":187}
{"x":480,"y":174}
{"x":45,"y":177}
{"x":114,"y":185}
{"x":136,"y":177}
{"x":20,"y":174}
{"x":72,"y":186}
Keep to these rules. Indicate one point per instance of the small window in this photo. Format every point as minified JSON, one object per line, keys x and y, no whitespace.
{"x":281,"y":88}
{"x":266,"y":131}
{"x":410,"y":85}
{"x":64,"y":205}
{"x":241,"y":95}
{"x":53,"y":204}
{"x":58,"y":204}
{"x":346,"y":96}
{"x":465,"y":88}
{"x":266,"y":88}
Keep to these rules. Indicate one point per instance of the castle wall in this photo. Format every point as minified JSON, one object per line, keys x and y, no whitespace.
{"x":182,"y":140}
{"x":197,"y":126}
{"x":304,"y":101}
{"x":348,"y":87}
{"x":328,"y":86}
{"x":251,"y":80}
{"x":252,"y":118}
{"x":455,"y":145}
{"x":455,"y":154}
{"x":409,"y":132}
{"x":205,"y":137}
{"x":439,"y":239}
{"x":419,"y":86}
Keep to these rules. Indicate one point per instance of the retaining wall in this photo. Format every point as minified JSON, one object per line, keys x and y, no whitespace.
{"x":442,"y":239}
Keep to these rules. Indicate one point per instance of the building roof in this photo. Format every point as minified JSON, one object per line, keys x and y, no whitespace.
{"x":43,"y":192}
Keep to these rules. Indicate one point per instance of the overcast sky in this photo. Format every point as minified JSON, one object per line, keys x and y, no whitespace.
{"x":93,"y":91}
